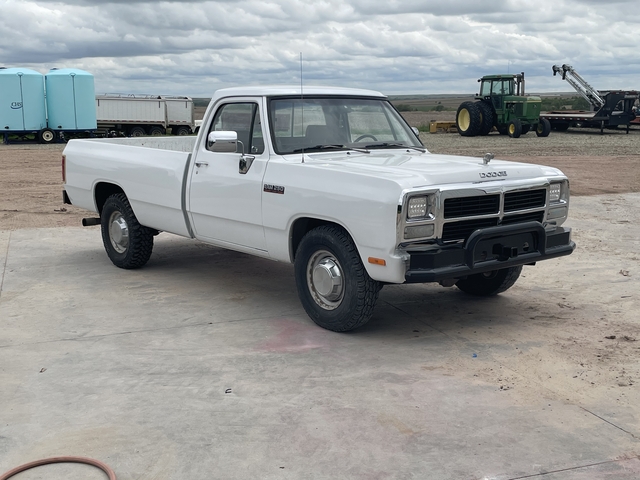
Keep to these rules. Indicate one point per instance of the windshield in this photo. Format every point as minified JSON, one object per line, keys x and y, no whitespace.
{"x":341,"y":123}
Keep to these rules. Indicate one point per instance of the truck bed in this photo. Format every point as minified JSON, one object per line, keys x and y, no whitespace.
{"x":151,"y":172}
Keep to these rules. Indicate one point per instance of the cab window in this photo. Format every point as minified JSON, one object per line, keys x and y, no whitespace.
{"x":244,"y":119}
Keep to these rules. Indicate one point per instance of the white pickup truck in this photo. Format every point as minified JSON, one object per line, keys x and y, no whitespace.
{"x":332,"y":180}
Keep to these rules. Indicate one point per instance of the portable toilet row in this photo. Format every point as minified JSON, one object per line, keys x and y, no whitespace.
{"x":68,"y":106}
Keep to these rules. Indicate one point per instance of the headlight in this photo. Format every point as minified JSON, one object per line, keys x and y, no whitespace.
{"x":418,"y":207}
{"x":558,"y":192}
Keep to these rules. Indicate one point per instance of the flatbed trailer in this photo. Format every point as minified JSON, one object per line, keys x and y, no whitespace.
{"x":610,"y":109}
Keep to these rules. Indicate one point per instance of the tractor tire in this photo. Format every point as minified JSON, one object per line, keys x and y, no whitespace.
{"x":486,"y":117}
{"x":490,"y":283}
{"x":333,"y":285}
{"x":544,"y":128}
{"x":514,"y":129}
{"x":468,"y":119}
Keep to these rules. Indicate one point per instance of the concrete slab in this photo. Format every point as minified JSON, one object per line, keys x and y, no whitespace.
{"x":204,"y":365}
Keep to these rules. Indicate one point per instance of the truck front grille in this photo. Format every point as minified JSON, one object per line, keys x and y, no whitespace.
{"x":471,"y":206}
{"x":514,"y":201}
{"x":516,"y":209}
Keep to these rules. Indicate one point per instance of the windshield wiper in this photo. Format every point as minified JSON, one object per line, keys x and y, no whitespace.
{"x":330,"y":147}
{"x":395,"y":145}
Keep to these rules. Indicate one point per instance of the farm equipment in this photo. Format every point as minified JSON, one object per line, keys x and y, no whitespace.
{"x":502,"y":104}
{"x":609,"y":109}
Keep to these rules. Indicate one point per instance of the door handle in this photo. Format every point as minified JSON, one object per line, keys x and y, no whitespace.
{"x":201,"y":163}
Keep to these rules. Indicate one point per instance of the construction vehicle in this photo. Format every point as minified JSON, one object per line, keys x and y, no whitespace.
{"x":501,"y":103}
{"x":609,"y":109}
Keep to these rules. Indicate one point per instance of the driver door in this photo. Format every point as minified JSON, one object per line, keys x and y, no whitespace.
{"x":226,"y":204}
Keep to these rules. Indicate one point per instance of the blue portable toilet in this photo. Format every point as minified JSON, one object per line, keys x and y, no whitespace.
{"x":22,"y":103}
{"x":71,"y":100}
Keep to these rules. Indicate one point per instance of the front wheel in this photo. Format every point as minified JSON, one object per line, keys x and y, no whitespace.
{"x":515,"y":128}
{"x":128,"y":244}
{"x":333,"y":285}
{"x":490,"y":283}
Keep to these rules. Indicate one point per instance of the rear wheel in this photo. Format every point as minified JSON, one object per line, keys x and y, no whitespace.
{"x":333,"y":285}
{"x":486,"y":117}
{"x":183,"y":131}
{"x":490,"y":283}
{"x":137,"y":132}
{"x":544,"y":128}
{"x":128,"y":244}
{"x":514,"y":129}
{"x":156,"y":131}
{"x":468,"y":119}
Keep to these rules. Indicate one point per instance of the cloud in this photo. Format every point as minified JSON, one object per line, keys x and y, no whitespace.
{"x":396,"y":46}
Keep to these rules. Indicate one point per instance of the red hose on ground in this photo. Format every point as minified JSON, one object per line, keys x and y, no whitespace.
{"x":46,"y":461}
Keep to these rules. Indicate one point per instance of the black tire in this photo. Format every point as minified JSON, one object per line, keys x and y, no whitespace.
{"x":128,"y":244}
{"x":514,"y":129}
{"x":486,"y":117}
{"x":468,"y":119}
{"x":46,"y":135}
{"x":137,"y":132}
{"x":156,"y":131}
{"x":544,"y":128}
{"x":327,"y":259}
{"x":182,"y":131}
{"x":491,"y":283}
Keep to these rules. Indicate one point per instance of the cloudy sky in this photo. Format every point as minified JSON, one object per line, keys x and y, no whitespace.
{"x":395,"y":46}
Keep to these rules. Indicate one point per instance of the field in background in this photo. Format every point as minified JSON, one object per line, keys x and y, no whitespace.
{"x":443,"y":107}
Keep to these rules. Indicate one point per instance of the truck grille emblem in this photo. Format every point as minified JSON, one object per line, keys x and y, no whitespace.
{"x":503,"y":173}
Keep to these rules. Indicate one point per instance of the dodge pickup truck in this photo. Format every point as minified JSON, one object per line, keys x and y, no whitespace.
{"x":332,"y":180}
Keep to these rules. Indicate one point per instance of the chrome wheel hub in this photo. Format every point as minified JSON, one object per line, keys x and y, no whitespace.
{"x":325,"y":280}
{"x":118,"y":232}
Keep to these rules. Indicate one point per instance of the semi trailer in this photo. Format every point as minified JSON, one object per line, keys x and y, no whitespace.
{"x":141,"y":115}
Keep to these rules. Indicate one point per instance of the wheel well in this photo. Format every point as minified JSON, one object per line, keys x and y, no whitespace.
{"x":104,"y":191}
{"x":301,"y":227}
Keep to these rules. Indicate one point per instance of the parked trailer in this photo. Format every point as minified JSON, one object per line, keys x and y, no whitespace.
{"x":180,"y":115}
{"x":141,"y":115}
{"x":54,"y":106}
{"x":610,"y":109}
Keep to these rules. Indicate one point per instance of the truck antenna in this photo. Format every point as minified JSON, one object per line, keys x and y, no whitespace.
{"x":302,"y":105}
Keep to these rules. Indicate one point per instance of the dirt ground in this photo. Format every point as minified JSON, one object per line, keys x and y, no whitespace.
{"x":31,"y":181}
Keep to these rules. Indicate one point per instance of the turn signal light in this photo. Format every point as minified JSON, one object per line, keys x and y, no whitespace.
{"x":377,"y":261}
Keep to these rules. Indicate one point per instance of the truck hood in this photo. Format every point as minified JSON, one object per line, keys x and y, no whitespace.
{"x":413,"y":170}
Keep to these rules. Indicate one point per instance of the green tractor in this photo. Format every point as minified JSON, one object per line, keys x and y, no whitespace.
{"x":502,"y":104}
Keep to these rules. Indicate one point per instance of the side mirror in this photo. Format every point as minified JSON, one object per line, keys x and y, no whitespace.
{"x":222,"y":142}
